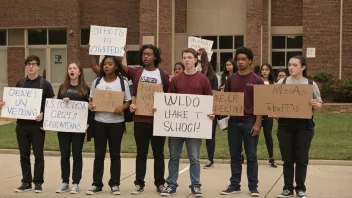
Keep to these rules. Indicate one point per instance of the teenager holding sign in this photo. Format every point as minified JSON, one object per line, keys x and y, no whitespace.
{"x":188,"y":82}
{"x":149,"y":57}
{"x":109,"y":127}
{"x":30,"y":133}
{"x":267,"y":74}
{"x":74,"y":88}
{"x":246,"y":128}
{"x":295,"y":135}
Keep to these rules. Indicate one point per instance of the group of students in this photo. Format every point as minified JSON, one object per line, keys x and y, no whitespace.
{"x":294,"y":135}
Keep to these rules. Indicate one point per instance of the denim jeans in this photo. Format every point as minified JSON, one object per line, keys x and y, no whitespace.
{"x":193,"y":151}
{"x":238,"y":130}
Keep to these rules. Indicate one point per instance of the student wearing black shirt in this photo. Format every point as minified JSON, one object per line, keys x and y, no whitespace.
{"x":30,"y":132}
{"x":74,"y":88}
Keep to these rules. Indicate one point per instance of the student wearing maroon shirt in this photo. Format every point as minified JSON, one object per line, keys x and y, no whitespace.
{"x":246,"y":128}
{"x":188,"y":82}
{"x":150,"y":59}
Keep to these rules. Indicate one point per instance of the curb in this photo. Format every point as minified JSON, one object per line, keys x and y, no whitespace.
{"x":202,"y":161}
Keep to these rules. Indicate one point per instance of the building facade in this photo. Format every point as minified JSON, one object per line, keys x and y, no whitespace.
{"x":58,"y":32}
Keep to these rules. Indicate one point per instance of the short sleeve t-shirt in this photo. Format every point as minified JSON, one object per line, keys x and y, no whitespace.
{"x":316,"y":92}
{"x":151,"y":76}
{"x":107,"y":117}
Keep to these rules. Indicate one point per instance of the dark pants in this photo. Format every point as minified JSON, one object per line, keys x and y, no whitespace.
{"x":295,"y":136}
{"x":112,"y":133}
{"x":267,"y":124}
{"x":210,"y":143}
{"x":238,"y":130}
{"x":143,"y":133}
{"x":65,"y":142}
{"x":28,"y":136}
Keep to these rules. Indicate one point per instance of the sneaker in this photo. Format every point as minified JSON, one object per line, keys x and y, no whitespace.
{"x":24,"y":187}
{"x":272,"y":163}
{"x":196,"y":191}
{"x":168,"y":191}
{"x":139,"y":189}
{"x":38,"y":188}
{"x":160,"y":188}
{"x":255,"y":193}
{"x":286,"y":193}
{"x":65,"y":187}
{"x":115,"y":190}
{"x":75,"y":189}
{"x":208,"y":165}
{"x":94,"y":190}
{"x":301,"y":194}
{"x":231,"y":190}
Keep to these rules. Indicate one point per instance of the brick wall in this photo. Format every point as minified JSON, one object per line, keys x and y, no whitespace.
{"x":254,"y":17}
{"x":347,"y":40}
{"x":287,"y":12}
{"x":337,"y":108}
{"x":321,"y":23}
{"x":265,"y":31}
{"x":15,"y":65}
{"x":181,"y":16}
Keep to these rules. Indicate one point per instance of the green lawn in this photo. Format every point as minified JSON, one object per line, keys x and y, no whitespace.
{"x":332,"y":140}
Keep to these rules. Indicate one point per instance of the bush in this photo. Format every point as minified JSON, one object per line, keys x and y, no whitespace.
{"x":323,"y":77}
{"x":341,"y":91}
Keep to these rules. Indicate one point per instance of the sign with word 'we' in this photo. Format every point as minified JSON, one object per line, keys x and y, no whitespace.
{"x":107,"y":40}
{"x":283,"y":100}
{"x":65,"y":116}
{"x":21,"y":103}
{"x":182,"y":115}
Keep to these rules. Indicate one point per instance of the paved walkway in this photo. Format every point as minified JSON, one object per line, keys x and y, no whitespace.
{"x":323,"y":181}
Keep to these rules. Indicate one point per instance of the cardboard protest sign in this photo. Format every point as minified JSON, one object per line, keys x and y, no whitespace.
{"x":283,"y":100}
{"x":107,"y":40}
{"x":197,"y":43}
{"x":106,"y":100}
{"x":65,"y":116}
{"x":145,"y":97}
{"x":21,"y":103}
{"x":182,"y":115}
{"x":228,"y":103}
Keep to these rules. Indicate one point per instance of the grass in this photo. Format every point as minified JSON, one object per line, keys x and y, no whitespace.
{"x":332,"y":140}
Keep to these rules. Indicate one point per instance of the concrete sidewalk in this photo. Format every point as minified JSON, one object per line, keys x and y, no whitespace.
{"x":322,"y":181}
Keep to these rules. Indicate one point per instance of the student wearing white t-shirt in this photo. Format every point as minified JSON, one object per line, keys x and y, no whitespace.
{"x":109,"y":127}
{"x":267,"y":74}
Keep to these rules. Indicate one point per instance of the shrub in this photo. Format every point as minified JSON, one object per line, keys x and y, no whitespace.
{"x":323,"y":77}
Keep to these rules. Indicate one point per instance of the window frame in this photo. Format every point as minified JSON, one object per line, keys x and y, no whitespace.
{"x":285,"y":49}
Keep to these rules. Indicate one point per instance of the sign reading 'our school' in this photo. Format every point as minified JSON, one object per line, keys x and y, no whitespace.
{"x":283,"y":101}
{"x":107,"y":40}
{"x":182,"y":115}
{"x":21,"y":103}
{"x":65,"y":116}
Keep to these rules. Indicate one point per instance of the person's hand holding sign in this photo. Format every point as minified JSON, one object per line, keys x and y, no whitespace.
{"x":118,"y":110}
{"x":2,"y":103}
{"x":133,"y":108}
{"x":211,"y":116}
{"x":66,"y":99}
{"x":39,"y":117}
{"x":91,"y":106}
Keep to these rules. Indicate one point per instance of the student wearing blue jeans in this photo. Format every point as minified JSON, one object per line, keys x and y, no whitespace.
{"x":244,"y":128}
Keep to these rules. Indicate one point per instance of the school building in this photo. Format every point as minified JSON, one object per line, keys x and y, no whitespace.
{"x":58,"y":31}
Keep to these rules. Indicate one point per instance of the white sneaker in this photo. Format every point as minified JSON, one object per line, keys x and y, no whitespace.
{"x":64,"y":187}
{"x":75,"y":189}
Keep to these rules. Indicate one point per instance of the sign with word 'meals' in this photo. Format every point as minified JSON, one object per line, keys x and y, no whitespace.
{"x":65,"y":116}
{"x":106,"y":100}
{"x":107,"y":40}
{"x":197,"y":43}
{"x":228,"y":103}
{"x":182,"y":115}
{"x":21,"y":103}
{"x":283,"y":100}
{"x":145,"y":97}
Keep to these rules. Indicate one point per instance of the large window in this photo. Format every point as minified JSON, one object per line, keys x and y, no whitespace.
{"x":284,"y":47}
{"x":224,"y":48}
{"x":47,"y":37}
{"x":85,"y":36}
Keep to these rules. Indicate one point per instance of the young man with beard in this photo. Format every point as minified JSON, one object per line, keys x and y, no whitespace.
{"x":245,"y":127}
{"x":30,"y":133}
